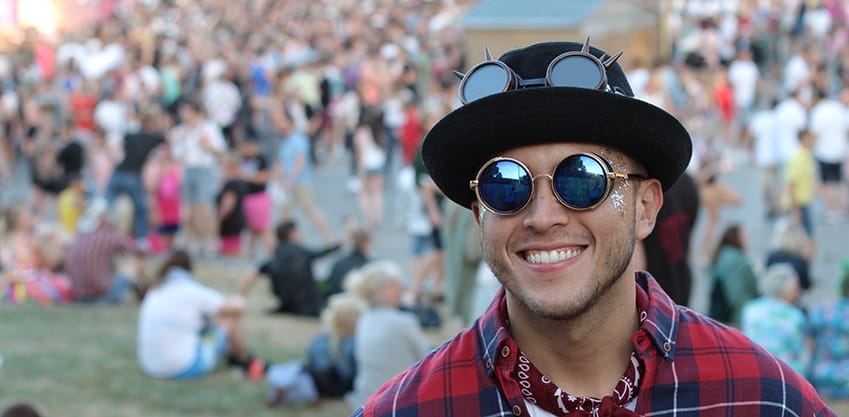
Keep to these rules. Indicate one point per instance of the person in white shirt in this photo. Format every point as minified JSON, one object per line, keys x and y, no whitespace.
{"x":111,"y":114}
{"x":797,"y":72}
{"x":762,"y":130}
{"x":829,"y":123}
{"x":743,"y":75}
{"x":818,"y":21}
{"x":221,"y":98}
{"x":790,"y":119}
{"x":197,"y":144}
{"x":185,"y":327}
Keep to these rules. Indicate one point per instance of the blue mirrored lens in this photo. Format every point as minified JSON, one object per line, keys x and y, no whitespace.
{"x":485,"y":80}
{"x":576,"y":71}
{"x":580,"y":181}
{"x":505,"y":186}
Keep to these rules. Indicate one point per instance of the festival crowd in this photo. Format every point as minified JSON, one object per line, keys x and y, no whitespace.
{"x":188,"y":131}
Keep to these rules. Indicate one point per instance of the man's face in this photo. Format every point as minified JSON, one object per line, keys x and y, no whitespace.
{"x":588,"y":251}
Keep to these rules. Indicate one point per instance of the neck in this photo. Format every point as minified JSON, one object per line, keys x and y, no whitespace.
{"x":586,"y":355}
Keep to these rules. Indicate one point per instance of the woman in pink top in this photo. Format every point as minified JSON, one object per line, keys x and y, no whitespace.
{"x":163,"y":176}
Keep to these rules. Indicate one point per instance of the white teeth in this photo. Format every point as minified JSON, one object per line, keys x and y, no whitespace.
{"x":547,"y":257}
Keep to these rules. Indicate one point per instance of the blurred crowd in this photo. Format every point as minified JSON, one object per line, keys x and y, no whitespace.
{"x":207,"y":120}
{"x":199,"y":125}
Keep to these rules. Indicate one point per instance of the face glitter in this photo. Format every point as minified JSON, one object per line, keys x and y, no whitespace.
{"x":617,"y":195}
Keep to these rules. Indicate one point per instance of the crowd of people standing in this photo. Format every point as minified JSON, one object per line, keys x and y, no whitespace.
{"x":210,"y":122}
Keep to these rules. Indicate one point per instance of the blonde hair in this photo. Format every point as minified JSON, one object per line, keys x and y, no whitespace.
{"x":367,"y":281}
{"x":340,"y":317}
{"x":341,"y":314}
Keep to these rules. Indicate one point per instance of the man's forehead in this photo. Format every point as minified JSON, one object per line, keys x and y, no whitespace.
{"x":612,"y":155}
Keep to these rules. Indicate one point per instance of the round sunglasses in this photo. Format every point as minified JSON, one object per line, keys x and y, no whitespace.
{"x":581,"y":182}
{"x":579,"y":69}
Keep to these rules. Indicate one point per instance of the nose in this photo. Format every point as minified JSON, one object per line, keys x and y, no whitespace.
{"x":544,"y":210}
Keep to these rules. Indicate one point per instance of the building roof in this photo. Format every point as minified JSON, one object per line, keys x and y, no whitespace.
{"x":536,"y":14}
{"x":591,"y":16}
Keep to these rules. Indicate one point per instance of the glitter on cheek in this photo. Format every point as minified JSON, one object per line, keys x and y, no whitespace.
{"x":617,"y":195}
{"x":618,"y":200}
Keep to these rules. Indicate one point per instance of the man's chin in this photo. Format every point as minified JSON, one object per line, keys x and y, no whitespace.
{"x":556,"y":308}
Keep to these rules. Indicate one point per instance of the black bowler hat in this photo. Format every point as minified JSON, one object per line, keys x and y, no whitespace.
{"x":461,"y":142}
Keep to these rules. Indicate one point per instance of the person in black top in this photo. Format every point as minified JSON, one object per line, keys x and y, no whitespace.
{"x":358,"y":257}
{"x":127,"y":177}
{"x":230,"y":201}
{"x":290,"y":271}
{"x":71,"y":156}
{"x":667,"y":248}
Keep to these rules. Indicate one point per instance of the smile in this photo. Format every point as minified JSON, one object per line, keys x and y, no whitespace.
{"x":552,"y":256}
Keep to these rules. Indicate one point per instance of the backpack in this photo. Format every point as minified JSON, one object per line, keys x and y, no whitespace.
{"x":720,"y":309}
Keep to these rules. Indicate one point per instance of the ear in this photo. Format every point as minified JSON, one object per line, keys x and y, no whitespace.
{"x":649,"y":201}
{"x":476,"y":209}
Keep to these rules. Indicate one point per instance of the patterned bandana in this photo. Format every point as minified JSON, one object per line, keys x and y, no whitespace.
{"x":539,"y":390}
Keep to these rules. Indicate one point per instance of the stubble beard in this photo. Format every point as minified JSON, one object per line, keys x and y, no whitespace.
{"x":608,"y":272}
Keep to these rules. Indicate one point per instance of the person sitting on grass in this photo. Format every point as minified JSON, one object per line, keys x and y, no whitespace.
{"x":387,"y":339}
{"x":330,"y":366}
{"x":185,"y":327}
{"x":92,"y":263}
{"x":774,"y":321}
{"x":291,"y":274}
{"x":361,"y":242}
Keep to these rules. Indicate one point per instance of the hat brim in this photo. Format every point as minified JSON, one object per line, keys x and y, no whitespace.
{"x":456,"y":147}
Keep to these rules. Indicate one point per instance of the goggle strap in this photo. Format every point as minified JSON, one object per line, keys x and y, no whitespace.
{"x":532,"y":82}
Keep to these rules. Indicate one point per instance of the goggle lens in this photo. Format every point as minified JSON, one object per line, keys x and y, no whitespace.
{"x":580,"y":181}
{"x":576,"y":71}
{"x":505,"y":186}
{"x":487,"y":79}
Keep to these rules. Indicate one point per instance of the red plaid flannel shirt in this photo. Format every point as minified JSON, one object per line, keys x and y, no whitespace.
{"x":694,"y":367}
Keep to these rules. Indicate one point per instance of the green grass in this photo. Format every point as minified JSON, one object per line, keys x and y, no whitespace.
{"x":77,"y":360}
{"x":74,"y":360}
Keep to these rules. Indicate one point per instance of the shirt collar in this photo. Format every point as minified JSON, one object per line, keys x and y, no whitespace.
{"x":660,"y":322}
{"x":662,"y":315}
{"x":176,"y":274}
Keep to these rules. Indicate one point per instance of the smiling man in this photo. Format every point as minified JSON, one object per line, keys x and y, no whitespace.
{"x":565,"y":171}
